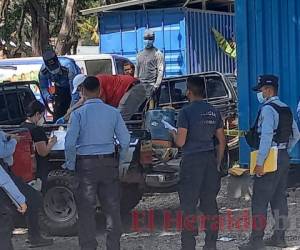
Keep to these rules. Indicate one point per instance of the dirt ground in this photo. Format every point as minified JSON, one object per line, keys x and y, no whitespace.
{"x":152,"y":231}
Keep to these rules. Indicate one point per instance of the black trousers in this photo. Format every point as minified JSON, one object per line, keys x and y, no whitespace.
{"x":98,"y":177}
{"x":34,"y":201}
{"x":62,"y":101}
{"x":6,"y":221}
{"x":271,"y":188}
{"x":199,"y":180}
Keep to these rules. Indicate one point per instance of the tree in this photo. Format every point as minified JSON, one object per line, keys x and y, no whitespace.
{"x":40,"y":23}
{"x":40,"y":27}
{"x":3,"y":9}
{"x":67,"y":37}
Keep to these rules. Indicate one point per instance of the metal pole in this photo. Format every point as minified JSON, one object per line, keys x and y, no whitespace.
{"x":204,"y":4}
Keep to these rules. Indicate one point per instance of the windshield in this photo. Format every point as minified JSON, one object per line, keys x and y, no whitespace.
{"x":99,"y":66}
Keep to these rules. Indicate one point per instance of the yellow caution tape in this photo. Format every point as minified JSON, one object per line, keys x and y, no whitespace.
{"x":234,"y":132}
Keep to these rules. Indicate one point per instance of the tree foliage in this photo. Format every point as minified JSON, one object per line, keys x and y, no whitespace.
{"x":28,"y":27}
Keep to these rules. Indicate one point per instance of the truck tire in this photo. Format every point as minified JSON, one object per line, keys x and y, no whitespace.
{"x":59,"y":214}
{"x":130,"y":197}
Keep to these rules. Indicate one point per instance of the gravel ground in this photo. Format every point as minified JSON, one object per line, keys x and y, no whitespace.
{"x":153,"y":236}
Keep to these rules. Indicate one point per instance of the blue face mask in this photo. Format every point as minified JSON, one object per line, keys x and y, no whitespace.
{"x":261,"y":98}
{"x":148,"y":43}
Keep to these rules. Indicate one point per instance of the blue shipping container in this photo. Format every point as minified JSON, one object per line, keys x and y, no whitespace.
{"x":268,"y":38}
{"x":184,"y":35}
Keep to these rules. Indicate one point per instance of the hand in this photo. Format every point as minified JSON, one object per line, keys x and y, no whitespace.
{"x":16,"y":137}
{"x":22,"y":209}
{"x":52,"y":140}
{"x":259,"y":170}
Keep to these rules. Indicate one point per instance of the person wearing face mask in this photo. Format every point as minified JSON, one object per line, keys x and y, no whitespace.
{"x":150,"y":65}
{"x":275,"y":127}
{"x":199,"y":123}
{"x":55,"y":77}
{"x":35,"y":118}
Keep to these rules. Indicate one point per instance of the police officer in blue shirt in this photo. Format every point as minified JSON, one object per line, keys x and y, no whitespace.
{"x":33,"y":197}
{"x":275,"y":127}
{"x":90,"y":150}
{"x":58,"y":74}
{"x":199,"y":123}
{"x":9,"y":194}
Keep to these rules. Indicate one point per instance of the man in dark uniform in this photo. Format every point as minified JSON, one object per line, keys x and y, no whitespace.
{"x":90,"y":144}
{"x":199,"y":124}
{"x":55,"y":78}
{"x":275,"y":127}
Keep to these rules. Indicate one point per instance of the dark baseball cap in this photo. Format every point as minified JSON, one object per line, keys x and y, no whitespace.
{"x":266,"y":80}
{"x":91,"y":83}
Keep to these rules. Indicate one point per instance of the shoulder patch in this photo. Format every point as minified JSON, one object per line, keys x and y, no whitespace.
{"x":44,"y":71}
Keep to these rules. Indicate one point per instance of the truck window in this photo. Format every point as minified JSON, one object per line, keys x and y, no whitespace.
{"x":120,"y":65}
{"x":164,"y":97}
{"x":101,"y":66}
{"x":3,"y":109}
{"x":26,"y":98}
{"x":215,"y":87}
{"x":13,"y":106}
{"x":178,"y":90}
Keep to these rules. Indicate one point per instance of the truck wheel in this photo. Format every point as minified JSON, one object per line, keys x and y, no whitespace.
{"x":59,"y":214}
{"x":130,"y":197}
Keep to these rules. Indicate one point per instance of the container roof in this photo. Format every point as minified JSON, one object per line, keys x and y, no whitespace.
{"x":219,"y":5}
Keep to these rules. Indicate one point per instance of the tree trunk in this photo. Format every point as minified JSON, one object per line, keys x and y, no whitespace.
{"x":67,"y":31}
{"x":40,"y":27}
{"x":19,"y":36}
{"x":3,"y":8}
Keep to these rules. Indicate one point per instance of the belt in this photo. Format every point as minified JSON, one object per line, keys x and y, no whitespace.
{"x":81,"y":157}
{"x":280,"y":145}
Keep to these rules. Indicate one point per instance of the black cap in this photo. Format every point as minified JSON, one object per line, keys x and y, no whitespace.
{"x":91,"y":83}
{"x":266,"y":80}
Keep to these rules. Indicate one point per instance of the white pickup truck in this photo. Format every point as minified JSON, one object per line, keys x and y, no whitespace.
{"x":27,"y":68}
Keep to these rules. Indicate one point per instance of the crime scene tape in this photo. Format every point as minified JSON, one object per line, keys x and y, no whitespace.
{"x":234,"y":132}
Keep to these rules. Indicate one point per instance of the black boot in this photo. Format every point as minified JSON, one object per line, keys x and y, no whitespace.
{"x":39,"y":242}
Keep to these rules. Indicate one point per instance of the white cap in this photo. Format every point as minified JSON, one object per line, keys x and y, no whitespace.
{"x":77,"y":81}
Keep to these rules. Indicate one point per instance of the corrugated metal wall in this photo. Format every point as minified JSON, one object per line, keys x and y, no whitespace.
{"x":184,"y":35}
{"x":203,"y":53}
{"x":268,"y":41}
{"x":122,"y":33}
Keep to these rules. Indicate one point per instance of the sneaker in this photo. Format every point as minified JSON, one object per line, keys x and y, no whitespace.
{"x":275,"y":242}
{"x":39,"y":242}
{"x":251,"y":246}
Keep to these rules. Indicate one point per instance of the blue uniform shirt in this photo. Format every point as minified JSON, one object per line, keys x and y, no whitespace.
{"x":267,"y":123}
{"x":64,"y":79}
{"x":7,"y":149}
{"x":92,"y":129}
{"x":10,"y":188}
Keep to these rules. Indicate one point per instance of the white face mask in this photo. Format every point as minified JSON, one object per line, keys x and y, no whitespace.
{"x":261,"y":98}
{"x":41,"y":121}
